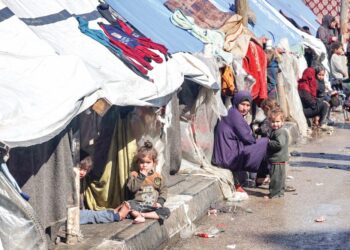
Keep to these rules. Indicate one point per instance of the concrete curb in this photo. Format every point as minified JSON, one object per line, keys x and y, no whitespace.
{"x":188,"y":200}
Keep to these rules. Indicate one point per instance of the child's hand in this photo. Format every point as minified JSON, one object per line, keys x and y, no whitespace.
{"x":157,"y":205}
{"x":144,"y":172}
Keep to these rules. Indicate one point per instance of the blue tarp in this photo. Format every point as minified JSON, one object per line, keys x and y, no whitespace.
{"x":267,"y":23}
{"x":298,"y":11}
{"x":151,"y":18}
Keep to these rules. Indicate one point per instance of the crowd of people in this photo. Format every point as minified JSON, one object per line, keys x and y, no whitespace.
{"x":257,"y":155}
{"x":264,"y":151}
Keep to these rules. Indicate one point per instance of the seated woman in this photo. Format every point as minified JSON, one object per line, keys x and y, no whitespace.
{"x":235,"y":147}
{"x":312,"y":107}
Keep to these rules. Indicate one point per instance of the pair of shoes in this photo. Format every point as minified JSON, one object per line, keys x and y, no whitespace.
{"x":289,"y":189}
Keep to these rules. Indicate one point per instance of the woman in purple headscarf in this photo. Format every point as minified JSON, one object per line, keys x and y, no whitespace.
{"x":235,"y":147}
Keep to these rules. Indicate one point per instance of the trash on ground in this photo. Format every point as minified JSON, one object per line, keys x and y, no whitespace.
{"x":213,"y":212}
{"x":205,"y":235}
{"x":221,"y":225}
{"x":290,"y":189}
{"x":248,"y":210}
{"x":233,"y":246}
{"x":295,"y":153}
{"x":289,"y":177}
{"x":239,"y":196}
{"x":319,"y":184}
{"x":320,"y":219}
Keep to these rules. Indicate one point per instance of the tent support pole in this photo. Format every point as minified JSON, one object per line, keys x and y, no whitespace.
{"x":73,"y":212}
{"x":242,"y":10}
{"x":344,"y":19}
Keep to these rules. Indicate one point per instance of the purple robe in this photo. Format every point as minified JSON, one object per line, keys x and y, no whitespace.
{"x":235,"y":147}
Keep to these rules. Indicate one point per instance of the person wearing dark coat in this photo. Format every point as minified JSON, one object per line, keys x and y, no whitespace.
{"x":328,"y":32}
{"x":235,"y":147}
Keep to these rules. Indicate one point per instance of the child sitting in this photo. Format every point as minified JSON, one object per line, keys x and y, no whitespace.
{"x":148,"y":187}
{"x":102,"y":216}
{"x":277,"y":153}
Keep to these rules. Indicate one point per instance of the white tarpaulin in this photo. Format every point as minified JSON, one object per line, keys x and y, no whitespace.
{"x":42,"y":91}
{"x":52,"y":21}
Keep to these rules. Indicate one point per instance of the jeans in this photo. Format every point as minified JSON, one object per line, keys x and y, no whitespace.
{"x":97,"y":217}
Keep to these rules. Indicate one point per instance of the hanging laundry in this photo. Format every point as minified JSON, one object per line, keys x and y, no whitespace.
{"x":117,"y":21}
{"x":100,"y":37}
{"x":130,"y":46}
{"x":205,"y":14}
{"x":255,"y":63}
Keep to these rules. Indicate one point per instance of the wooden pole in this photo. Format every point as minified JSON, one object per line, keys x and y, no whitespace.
{"x":344,"y":19}
{"x":242,"y":10}
{"x":73,"y":212}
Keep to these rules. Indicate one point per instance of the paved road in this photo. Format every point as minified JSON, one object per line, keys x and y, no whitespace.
{"x":320,"y":170}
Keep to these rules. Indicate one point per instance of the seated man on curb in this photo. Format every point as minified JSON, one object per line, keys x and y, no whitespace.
{"x":103,"y":216}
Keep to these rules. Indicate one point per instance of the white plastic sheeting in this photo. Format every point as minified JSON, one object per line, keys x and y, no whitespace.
{"x":42,"y":91}
{"x":20,"y":228}
{"x":122,"y":86}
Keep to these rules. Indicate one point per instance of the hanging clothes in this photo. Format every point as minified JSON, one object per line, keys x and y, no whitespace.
{"x":255,"y":63}
{"x":99,"y":36}
{"x":116,"y":21}
{"x":205,"y":14}
{"x":130,"y":46}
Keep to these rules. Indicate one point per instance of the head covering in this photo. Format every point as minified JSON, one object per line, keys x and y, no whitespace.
{"x":241,"y":96}
{"x":327,"y":20}
{"x":308,"y":81}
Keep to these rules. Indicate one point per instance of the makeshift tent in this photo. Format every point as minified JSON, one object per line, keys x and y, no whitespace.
{"x":266,"y":23}
{"x":298,"y":11}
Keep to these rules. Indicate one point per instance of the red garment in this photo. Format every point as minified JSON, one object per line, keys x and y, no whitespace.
{"x":308,"y":81}
{"x":255,"y":64}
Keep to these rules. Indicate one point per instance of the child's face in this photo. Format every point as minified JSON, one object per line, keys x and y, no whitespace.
{"x":320,"y":75}
{"x":339,"y":51}
{"x":83,"y":172}
{"x":276,"y":122}
{"x":146,"y":164}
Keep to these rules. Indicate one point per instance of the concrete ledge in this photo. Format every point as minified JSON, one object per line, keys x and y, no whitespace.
{"x":188,"y":200}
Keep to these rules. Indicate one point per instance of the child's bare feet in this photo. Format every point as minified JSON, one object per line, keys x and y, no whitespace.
{"x":123,"y":210}
{"x":139,"y":219}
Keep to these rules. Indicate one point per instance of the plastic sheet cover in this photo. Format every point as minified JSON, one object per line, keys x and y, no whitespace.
{"x":197,"y":140}
{"x":19,"y":228}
